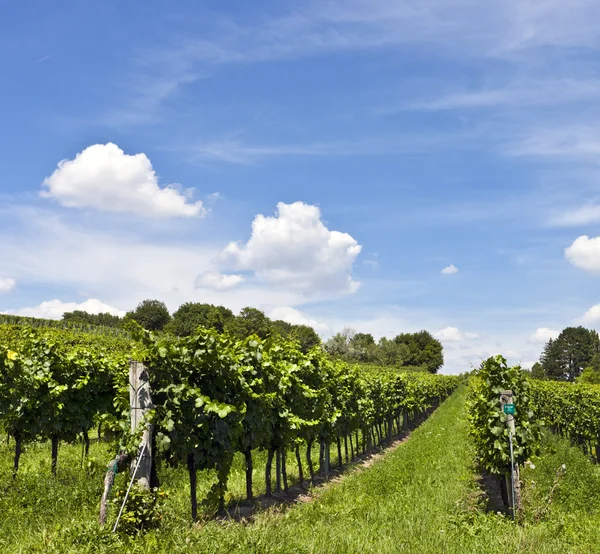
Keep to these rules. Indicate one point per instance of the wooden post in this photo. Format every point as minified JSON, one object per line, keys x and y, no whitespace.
{"x":140,"y":402}
{"x":506,"y":397}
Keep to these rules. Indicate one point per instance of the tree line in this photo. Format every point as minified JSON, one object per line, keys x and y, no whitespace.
{"x":409,"y":351}
{"x":153,"y":315}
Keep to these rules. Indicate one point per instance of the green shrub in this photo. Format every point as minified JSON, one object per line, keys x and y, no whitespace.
{"x":142,"y":510}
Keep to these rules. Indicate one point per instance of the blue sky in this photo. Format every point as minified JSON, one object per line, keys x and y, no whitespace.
{"x":323,"y":161}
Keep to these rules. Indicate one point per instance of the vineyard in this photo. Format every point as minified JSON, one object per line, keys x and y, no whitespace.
{"x":239,"y":424}
{"x":214,"y":396}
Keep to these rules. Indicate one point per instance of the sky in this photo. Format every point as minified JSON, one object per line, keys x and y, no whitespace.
{"x":387,"y":166}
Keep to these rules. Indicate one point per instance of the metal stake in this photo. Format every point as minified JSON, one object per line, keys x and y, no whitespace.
{"x":137,"y":465}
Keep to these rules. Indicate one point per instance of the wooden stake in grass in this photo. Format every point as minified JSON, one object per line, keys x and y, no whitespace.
{"x":140,"y":402}
{"x":114,"y":466}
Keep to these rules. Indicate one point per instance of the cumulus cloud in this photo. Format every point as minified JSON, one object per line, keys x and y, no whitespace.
{"x":213,"y":279}
{"x":296,"y":317}
{"x":102,"y":176}
{"x":450,"y":270}
{"x":7,"y":284}
{"x":592,"y":315}
{"x":294,"y":250}
{"x":543,"y":334}
{"x":119,"y":267}
{"x":585,"y":253}
{"x":453,"y":334}
{"x":54,"y":309}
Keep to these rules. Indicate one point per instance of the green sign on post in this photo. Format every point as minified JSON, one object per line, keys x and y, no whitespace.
{"x":509,"y":409}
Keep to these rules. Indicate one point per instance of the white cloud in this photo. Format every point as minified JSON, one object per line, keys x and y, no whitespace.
{"x":102,"y":176}
{"x":531,"y":92}
{"x":585,"y":253}
{"x":296,"y":317}
{"x":543,"y":335}
{"x":213,"y":279}
{"x":453,"y":334}
{"x":54,"y":309}
{"x":119,"y":267}
{"x":238,"y":153}
{"x":577,"y":141}
{"x":294,"y":250}
{"x":592,"y":315}
{"x":450,"y":270}
{"x":7,"y":284}
{"x":590,"y":213}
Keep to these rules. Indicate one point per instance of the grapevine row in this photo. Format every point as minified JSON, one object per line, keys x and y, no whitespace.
{"x":214,"y":396}
{"x":571,"y":410}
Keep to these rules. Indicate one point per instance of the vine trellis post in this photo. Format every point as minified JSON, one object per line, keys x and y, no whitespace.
{"x":512,"y":478}
{"x":140,"y":402}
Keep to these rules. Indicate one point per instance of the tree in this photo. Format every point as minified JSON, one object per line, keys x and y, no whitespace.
{"x":306,"y":336}
{"x":282,"y":328}
{"x":339,"y":344}
{"x":363,"y":347}
{"x":250,"y":321}
{"x":589,"y":376}
{"x":537,"y":371}
{"x":191,"y":315}
{"x":564,"y":358}
{"x":424,"y":350}
{"x":150,"y":314}
{"x":391,"y":353}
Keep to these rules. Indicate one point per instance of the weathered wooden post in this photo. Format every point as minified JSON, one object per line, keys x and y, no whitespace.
{"x":140,"y":403}
{"x":513,"y":481}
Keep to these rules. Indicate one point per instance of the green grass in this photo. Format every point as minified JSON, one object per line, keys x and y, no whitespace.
{"x":423,"y":497}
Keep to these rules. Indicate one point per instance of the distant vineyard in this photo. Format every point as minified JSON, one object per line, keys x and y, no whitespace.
{"x":37,"y":323}
{"x":572,"y":410}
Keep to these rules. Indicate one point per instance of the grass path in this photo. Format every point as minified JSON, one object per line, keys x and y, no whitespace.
{"x":405,"y":502}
